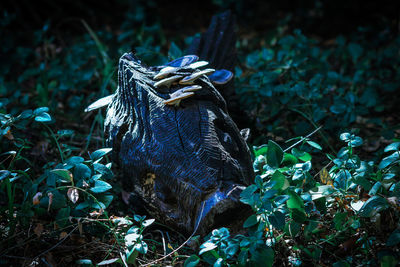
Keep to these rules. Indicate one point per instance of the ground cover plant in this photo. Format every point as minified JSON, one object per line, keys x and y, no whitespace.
{"x":323,"y":113}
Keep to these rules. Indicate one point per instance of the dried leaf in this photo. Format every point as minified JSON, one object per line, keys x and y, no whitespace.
{"x":63,"y":235}
{"x":9,"y":135}
{"x":50,"y":195}
{"x":38,"y":229}
{"x":96,"y":213}
{"x":325,"y":177}
{"x":73,"y":195}
{"x":35,"y":199}
{"x":80,"y":228}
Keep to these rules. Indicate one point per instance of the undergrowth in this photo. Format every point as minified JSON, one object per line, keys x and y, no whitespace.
{"x":326,"y":197}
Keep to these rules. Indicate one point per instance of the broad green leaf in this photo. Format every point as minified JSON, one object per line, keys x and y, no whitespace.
{"x":148,"y":222}
{"x":298,"y":215}
{"x":274,"y":154}
{"x":392,"y":147}
{"x":43,"y":117}
{"x":110,"y":261}
{"x":261,"y":150}
{"x":192,"y":261}
{"x":100,"y":153}
{"x":63,"y":216}
{"x":389,"y":261}
{"x":131,"y":255}
{"x":75,"y":160}
{"x":295,"y":201}
{"x":314,"y":145}
{"x":263,"y":257}
{"x":281,"y":183}
{"x":372,"y":206}
{"x":82,"y":171}
{"x":251,"y":221}
{"x":41,"y":110}
{"x":207,"y":246}
{"x":66,"y":175}
{"x":394,"y":238}
{"x":345,"y":136}
{"x":84,"y":262}
{"x":25,"y":114}
{"x":100,"y":187}
{"x":4,"y":174}
{"x":232,"y":249}
{"x":389,"y":160}
{"x":375,"y":188}
{"x":218,"y":262}
{"x":277,"y":219}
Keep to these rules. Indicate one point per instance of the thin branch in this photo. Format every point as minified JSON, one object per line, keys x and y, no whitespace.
{"x":302,"y":139}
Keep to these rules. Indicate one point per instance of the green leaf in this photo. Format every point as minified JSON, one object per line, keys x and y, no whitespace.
{"x":392,"y":147}
{"x":394,"y":238}
{"x":100,"y":153}
{"x":66,"y":175}
{"x":207,"y":246}
{"x":277,"y":219}
{"x":84,"y":262}
{"x":4,"y":174}
{"x":281,"y":183}
{"x":314,"y":145}
{"x":100,"y":187}
{"x":25,"y":114}
{"x":131,"y":255}
{"x":148,"y":222}
{"x":375,"y":188}
{"x":110,"y":261}
{"x":295,"y":202}
{"x":261,"y":150}
{"x":298,"y":215}
{"x":252,"y":220}
{"x":192,"y":261}
{"x":246,"y":196}
{"x":63,"y":216}
{"x":43,"y":117}
{"x":218,"y":263}
{"x":274,"y":154}
{"x":75,"y":160}
{"x":40,"y":110}
{"x":345,"y":136}
{"x":263,"y":257}
{"x":372,"y":206}
{"x":174,"y":51}
{"x":389,"y":160}
{"x":82,"y":171}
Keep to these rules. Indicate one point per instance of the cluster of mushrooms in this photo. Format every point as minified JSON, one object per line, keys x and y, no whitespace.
{"x":185,"y":71}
